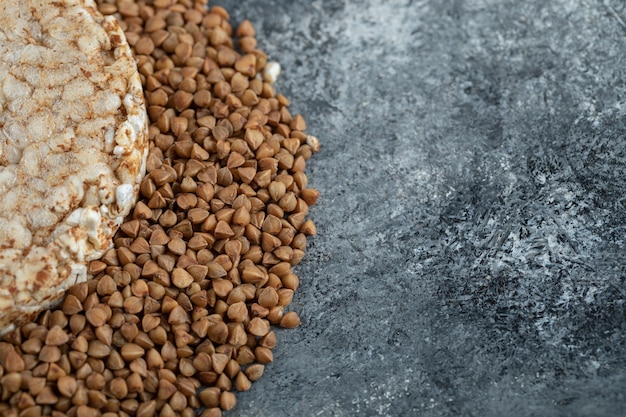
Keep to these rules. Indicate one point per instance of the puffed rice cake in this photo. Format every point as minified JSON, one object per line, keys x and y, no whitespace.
{"x":73,"y":145}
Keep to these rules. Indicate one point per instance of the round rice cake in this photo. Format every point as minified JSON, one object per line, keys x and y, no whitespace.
{"x":73,"y":146}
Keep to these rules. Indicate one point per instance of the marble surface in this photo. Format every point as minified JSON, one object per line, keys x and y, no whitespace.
{"x":470,"y":259}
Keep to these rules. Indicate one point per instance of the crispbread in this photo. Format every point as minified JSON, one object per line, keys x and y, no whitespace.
{"x":73,"y":144}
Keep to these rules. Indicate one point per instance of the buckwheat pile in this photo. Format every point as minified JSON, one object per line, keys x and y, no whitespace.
{"x":180,"y":312}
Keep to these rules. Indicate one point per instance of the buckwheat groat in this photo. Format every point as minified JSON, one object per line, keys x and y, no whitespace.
{"x":73,"y":141}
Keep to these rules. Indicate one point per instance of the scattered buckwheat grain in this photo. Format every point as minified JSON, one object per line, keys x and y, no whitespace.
{"x":180,"y":310}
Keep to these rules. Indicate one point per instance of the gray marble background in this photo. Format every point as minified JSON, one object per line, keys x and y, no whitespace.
{"x":470,"y":258}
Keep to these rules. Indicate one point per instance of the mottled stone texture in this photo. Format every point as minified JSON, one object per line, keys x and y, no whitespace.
{"x":470,"y":258}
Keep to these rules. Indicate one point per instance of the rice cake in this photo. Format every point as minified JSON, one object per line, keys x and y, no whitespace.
{"x":73,"y":146}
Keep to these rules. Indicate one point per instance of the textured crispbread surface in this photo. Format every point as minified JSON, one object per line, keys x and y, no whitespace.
{"x":73,"y":141}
